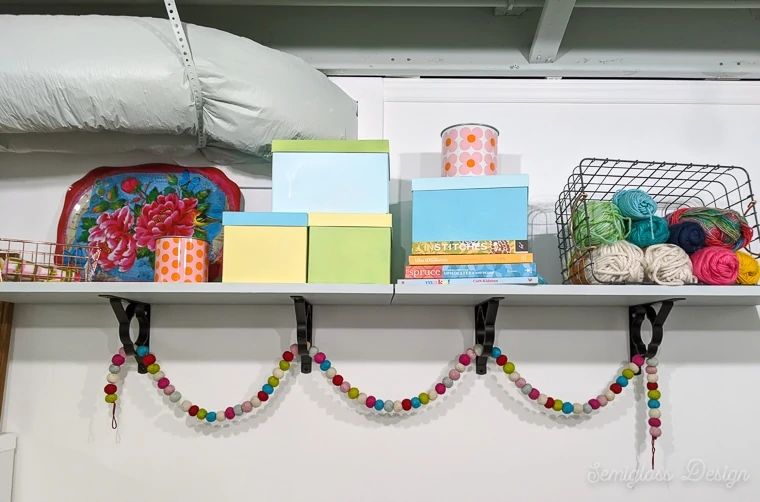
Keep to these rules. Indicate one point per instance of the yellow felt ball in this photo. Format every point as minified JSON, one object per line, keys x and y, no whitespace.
{"x":557,"y":405}
{"x":154,"y":368}
{"x":201,"y":414}
{"x":273,"y":381}
{"x":509,"y":368}
{"x":654,"y":394}
{"x":111,"y":398}
{"x":353,"y":393}
{"x":749,"y":269}
{"x":424,"y":398}
{"x":284,"y":365}
{"x":628,"y":373}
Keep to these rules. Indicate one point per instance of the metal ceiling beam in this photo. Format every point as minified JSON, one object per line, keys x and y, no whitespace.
{"x":551,"y":28}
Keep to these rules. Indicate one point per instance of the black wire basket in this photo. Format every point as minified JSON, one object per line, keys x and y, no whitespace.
{"x":671,"y":185}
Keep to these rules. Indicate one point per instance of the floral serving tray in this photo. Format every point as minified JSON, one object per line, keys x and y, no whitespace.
{"x":123,"y":210}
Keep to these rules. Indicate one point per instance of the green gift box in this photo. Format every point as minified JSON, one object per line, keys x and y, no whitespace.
{"x":349,"y":248}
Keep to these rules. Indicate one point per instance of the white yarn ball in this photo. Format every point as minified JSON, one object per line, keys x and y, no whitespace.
{"x":620,"y":262}
{"x":668,"y":264}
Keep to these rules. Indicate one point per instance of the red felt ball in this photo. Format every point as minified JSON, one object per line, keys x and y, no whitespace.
{"x":616,"y":388}
{"x":263,"y":396}
{"x":651,"y":385}
{"x":193,"y":410}
{"x":337,"y":380}
{"x":148,"y":359}
{"x":288,"y":355}
{"x":406,"y":404}
{"x":549,"y":403}
{"x":110,"y":389}
{"x":501,"y":360}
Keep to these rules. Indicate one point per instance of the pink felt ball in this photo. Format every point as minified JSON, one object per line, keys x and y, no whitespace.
{"x":464,"y":359}
{"x":117,"y":360}
{"x":454,"y":374}
{"x":319,"y":358}
{"x":229,"y":413}
{"x":602,"y":400}
{"x":655,"y":432}
{"x":534,"y":394}
{"x":655,"y":422}
{"x":123,"y":353}
{"x":169,"y":390}
{"x":440,"y":388}
{"x":651,"y":370}
{"x":345,"y":387}
{"x":594,"y":403}
{"x":163,"y":383}
{"x":370,"y":402}
{"x":294,"y":349}
{"x":247,"y":407}
{"x":520,"y":383}
{"x":471,"y":354}
{"x":638,"y":360}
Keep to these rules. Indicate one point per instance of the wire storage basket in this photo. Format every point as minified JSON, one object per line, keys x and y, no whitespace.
{"x":673,"y":186}
{"x":31,"y":261}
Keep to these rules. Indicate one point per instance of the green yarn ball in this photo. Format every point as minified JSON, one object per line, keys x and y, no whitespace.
{"x":604,"y":225}
{"x":645,"y":233}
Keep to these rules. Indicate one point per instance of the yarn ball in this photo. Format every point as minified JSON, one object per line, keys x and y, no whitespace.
{"x":604,"y":225}
{"x":635,"y":204}
{"x":688,"y":235}
{"x":724,"y":228}
{"x":668,"y":264}
{"x":749,"y":269}
{"x":645,"y":233}
{"x":716,"y":266}
{"x":618,"y":263}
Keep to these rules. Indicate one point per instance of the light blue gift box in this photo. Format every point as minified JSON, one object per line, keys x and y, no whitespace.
{"x":473,"y":208}
{"x":354,"y":182}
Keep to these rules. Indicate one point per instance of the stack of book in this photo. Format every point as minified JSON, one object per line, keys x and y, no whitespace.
{"x":471,"y":262}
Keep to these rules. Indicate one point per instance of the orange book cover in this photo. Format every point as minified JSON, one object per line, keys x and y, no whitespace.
{"x":471,"y":259}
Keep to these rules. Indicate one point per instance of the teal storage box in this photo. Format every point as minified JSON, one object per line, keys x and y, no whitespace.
{"x":473,"y":208}
{"x":330,"y":177}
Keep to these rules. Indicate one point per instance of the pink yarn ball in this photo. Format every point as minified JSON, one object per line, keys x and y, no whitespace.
{"x":655,"y":422}
{"x":370,"y":402}
{"x":520,"y":383}
{"x":440,"y":388}
{"x":534,"y":394}
{"x":464,"y":359}
{"x":247,"y":407}
{"x":345,"y":387}
{"x":594,"y":403}
{"x":602,"y":400}
{"x":294,"y":349}
{"x":655,"y":432}
{"x":471,"y":354}
{"x":319,"y":358}
{"x":163,"y":383}
{"x":229,"y":413}
{"x":169,"y":390}
{"x":454,"y":374}
{"x":638,"y":360}
{"x":117,"y":360}
{"x":123,"y":353}
{"x":652,"y":370}
{"x":716,"y":266}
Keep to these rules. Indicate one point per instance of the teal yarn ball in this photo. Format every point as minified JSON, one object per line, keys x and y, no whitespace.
{"x":604,"y":225}
{"x":635,"y":204}
{"x":645,"y":233}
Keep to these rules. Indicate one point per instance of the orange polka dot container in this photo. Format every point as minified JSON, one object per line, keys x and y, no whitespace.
{"x":469,"y":150}
{"x":181,"y":259}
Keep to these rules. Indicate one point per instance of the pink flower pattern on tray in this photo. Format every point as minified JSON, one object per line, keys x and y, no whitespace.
{"x":168,"y":215}
{"x":111,"y":234}
{"x":469,"y":150}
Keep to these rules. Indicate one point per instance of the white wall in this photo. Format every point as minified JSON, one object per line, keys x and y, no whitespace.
{"x":481,"y":441}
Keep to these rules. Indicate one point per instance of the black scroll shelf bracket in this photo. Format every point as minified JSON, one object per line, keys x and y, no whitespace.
{"x":636,"y":316}
{"x":304,"y":331}
{"x":125,"y":310}
{"x":485,"y":333}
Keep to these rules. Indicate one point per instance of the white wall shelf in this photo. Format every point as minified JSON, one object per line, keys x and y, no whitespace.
{"x":195,"y":294}
{"x":347,"y":294}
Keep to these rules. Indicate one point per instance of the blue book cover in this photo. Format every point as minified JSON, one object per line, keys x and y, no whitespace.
{"x":470,"y":271}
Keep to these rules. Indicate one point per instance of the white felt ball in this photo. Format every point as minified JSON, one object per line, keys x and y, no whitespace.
{"x":185,"y":405}
{"x":331,"y":372}
{"x":255,"y":402}
{"x":460,"y":367}
{"x":654,"y":413}
{"x":278,"y":373}
{"x":609,"y":395}
{"x":220,"y":416}
{"x":542,"y":399}
{"x":514,"y":376}
{"x":652,"y":378}
{"x":112,"y":378}
{"x":577,"y":408}
{"x":362,"y":398}
{"x":397,"y":406}
{"x":158,"y":376}
{"x":432,"y":394}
